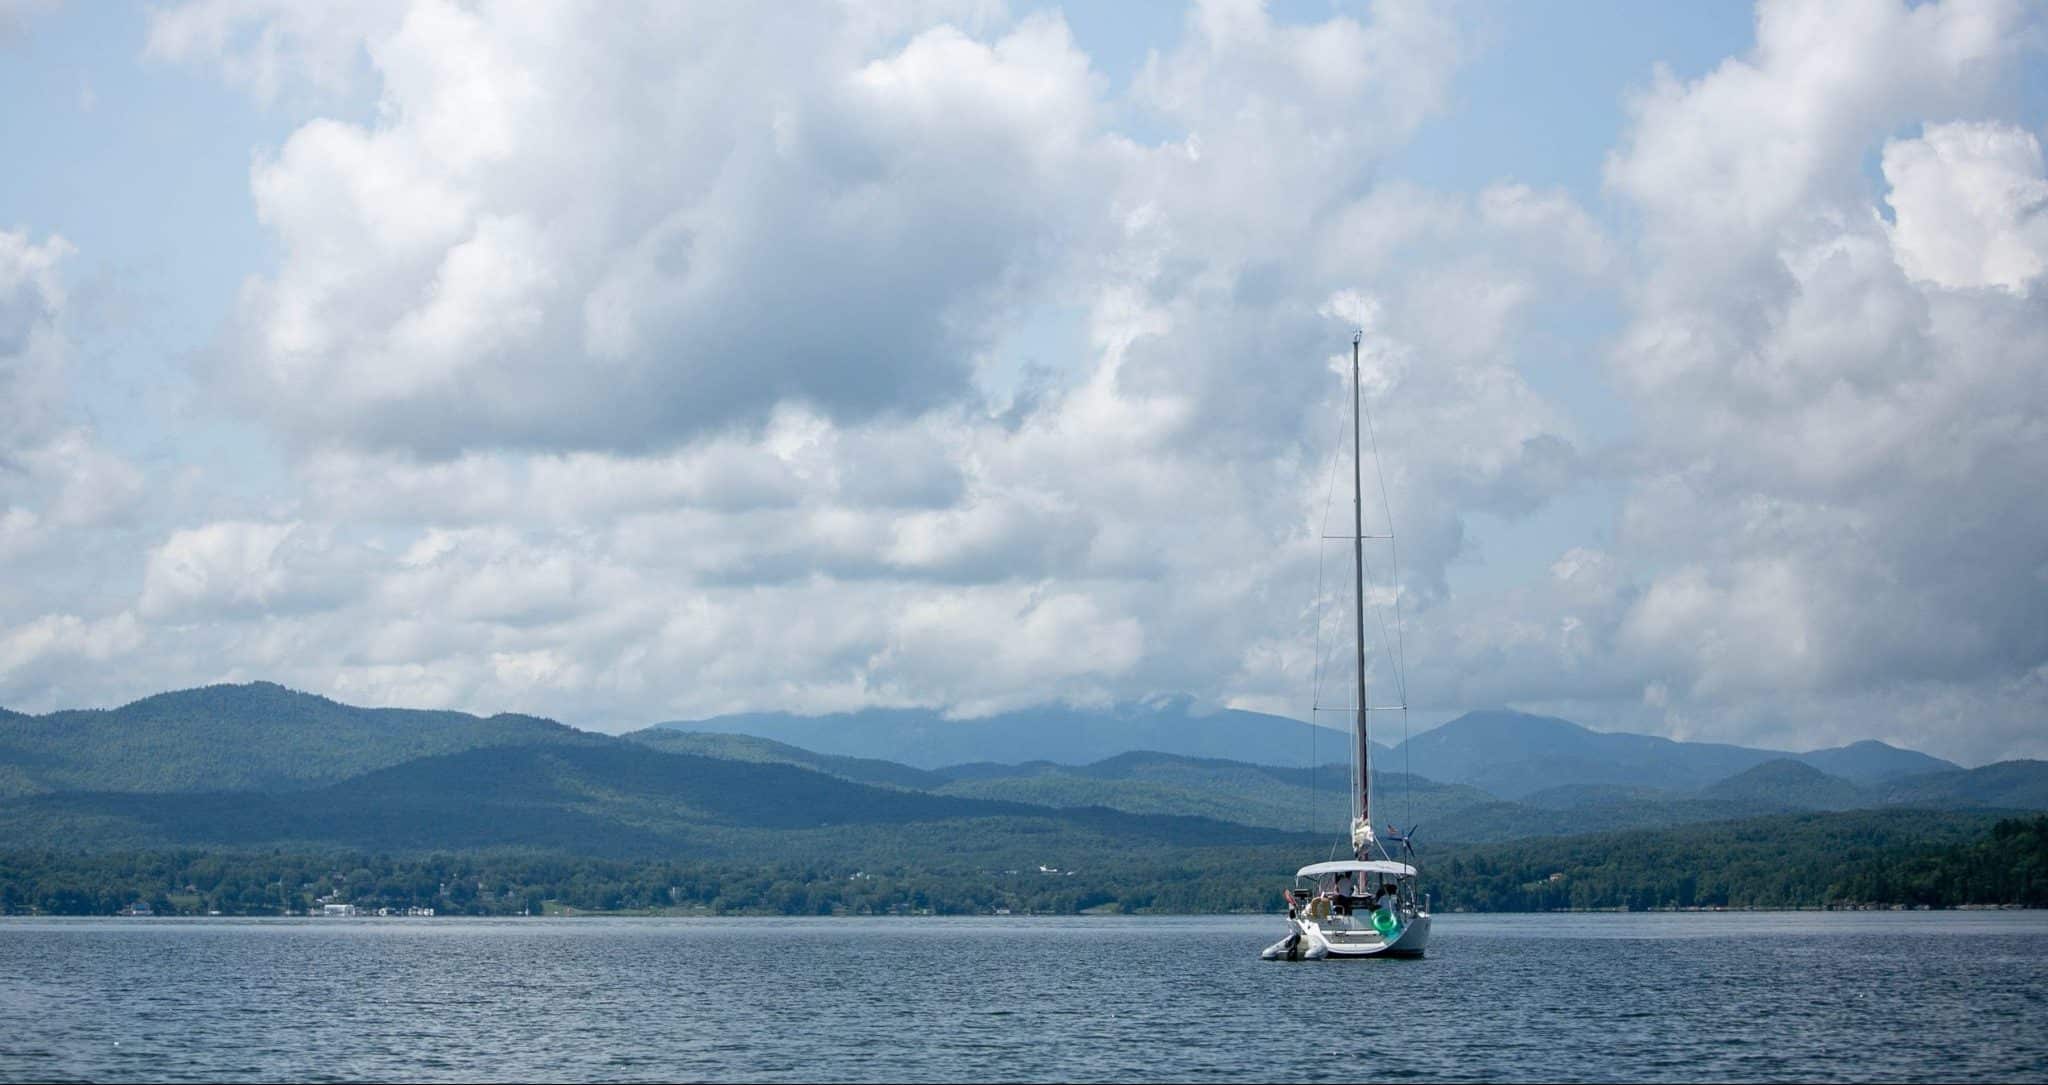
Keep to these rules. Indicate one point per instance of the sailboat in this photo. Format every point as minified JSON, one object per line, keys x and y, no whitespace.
{"x":1364,"y":906}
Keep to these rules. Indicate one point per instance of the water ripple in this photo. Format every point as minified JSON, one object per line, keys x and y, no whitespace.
{"x":1952,"y":996}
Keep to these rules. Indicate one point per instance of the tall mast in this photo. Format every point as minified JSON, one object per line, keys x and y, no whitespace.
{"x":1361,"y":787}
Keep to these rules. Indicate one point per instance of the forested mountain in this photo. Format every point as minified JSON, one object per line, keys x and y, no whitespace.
{"x":263,"y":736}
{"x":1788,"y":783}
{"x":258,"y":736}
{"x":2003,"y":785}
{"x":867,"y":770}
{"x":926,"y":739}
{"x":612,"y":798}
{"x":1512,"y":754}
{"x":1299,"y":799}
{"x":242,"y":770}
{"x":1505,"y":753}
{"x":1871,"y":761}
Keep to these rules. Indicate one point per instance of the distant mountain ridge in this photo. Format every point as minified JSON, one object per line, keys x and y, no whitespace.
{"x":924,"y":738}
{"x":1506,"y":753}
{"x":262,"y":735}
{"x":2002,"y":785}
{"x":1151,"y":782}
{"x":230,"y":737}
{"x":865,"y":770}
{"x":610,"y":798}
{"x":1513,"y":754}
{"x":262,"y":766}
{"x":1791,"y":783}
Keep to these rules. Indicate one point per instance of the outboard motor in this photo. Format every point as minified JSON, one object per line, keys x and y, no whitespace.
{"x":1283,"y":950}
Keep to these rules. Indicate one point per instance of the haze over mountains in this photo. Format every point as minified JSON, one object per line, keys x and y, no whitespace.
{"x":1510,"y":754}
{"x":926,"y":739}
{"x":1514,"y":754}
{"x":260,"y":765}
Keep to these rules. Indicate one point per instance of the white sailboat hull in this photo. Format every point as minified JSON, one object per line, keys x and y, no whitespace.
{"x":1338,"y":938}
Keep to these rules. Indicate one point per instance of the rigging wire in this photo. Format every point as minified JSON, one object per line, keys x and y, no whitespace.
{"x":1393,"y":642}
{"x":1379,"y":615}
{"x":1400,"y":645}
{"x":1394,"y":558}
{"x":1316,"y":664}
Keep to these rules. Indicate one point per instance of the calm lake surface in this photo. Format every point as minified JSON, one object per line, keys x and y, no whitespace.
{"x":1883,"y":996}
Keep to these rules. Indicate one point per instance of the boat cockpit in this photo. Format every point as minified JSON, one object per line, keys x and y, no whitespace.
{"x":1344,"y":889}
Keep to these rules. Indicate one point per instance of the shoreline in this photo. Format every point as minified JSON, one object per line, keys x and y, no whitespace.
{"x":641,"y":913}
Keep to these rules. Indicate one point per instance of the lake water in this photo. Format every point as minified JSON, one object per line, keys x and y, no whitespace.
{"x":1688,"y":997}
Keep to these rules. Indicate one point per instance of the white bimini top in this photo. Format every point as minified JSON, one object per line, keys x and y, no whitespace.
{"x":1356,"y":866}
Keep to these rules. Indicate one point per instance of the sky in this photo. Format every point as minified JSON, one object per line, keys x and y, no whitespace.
{"x":658,"y":361}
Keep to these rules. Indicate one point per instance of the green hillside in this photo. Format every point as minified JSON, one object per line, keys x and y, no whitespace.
{"x":1512,"y":754}
{"x":1790,"y":784}
{"x":928,"y":739}
{"x":254,"y":779}
{"x":1281,"y":798}
{"x":866,"y":770}
{"x":2017,"y":785}
{"x":259,"y":736}
{"x":606,"y":798}
{"x":1145,"y":782}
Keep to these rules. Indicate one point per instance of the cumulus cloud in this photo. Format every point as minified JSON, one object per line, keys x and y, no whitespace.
{"x":273,"y":48}
{"x":1827,"y":529}
{"x":58,"y":485}
{"x":600,"y":247}
{"x":33,"y":348}
{"x":218,"y":568}
{"x":576,"y":410}
{"x":1729,"y":160}
{"x":1833,"y":471}
{"x":1971,"y":205}
{"x":612,"y":392}
{"x":49,"y":641}
{"x":54,"y":473}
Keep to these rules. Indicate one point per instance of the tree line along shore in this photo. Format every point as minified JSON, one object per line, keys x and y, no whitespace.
{"x":1930,"y":860}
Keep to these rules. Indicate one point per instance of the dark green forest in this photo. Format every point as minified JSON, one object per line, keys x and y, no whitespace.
{"x":1820,"y":860}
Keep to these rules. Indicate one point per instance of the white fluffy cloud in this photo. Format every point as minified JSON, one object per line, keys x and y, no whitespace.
{"x":54,"y":474}
{"x":608,"y":344}
{"x":59,"y":486}
{"x":643,"y":368}
{"x":274,"y":48}
{"x":1832,"y":510}
{"x":33,"y":349}
{"x":1972,"y":206}
{"x":607,"y":246}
